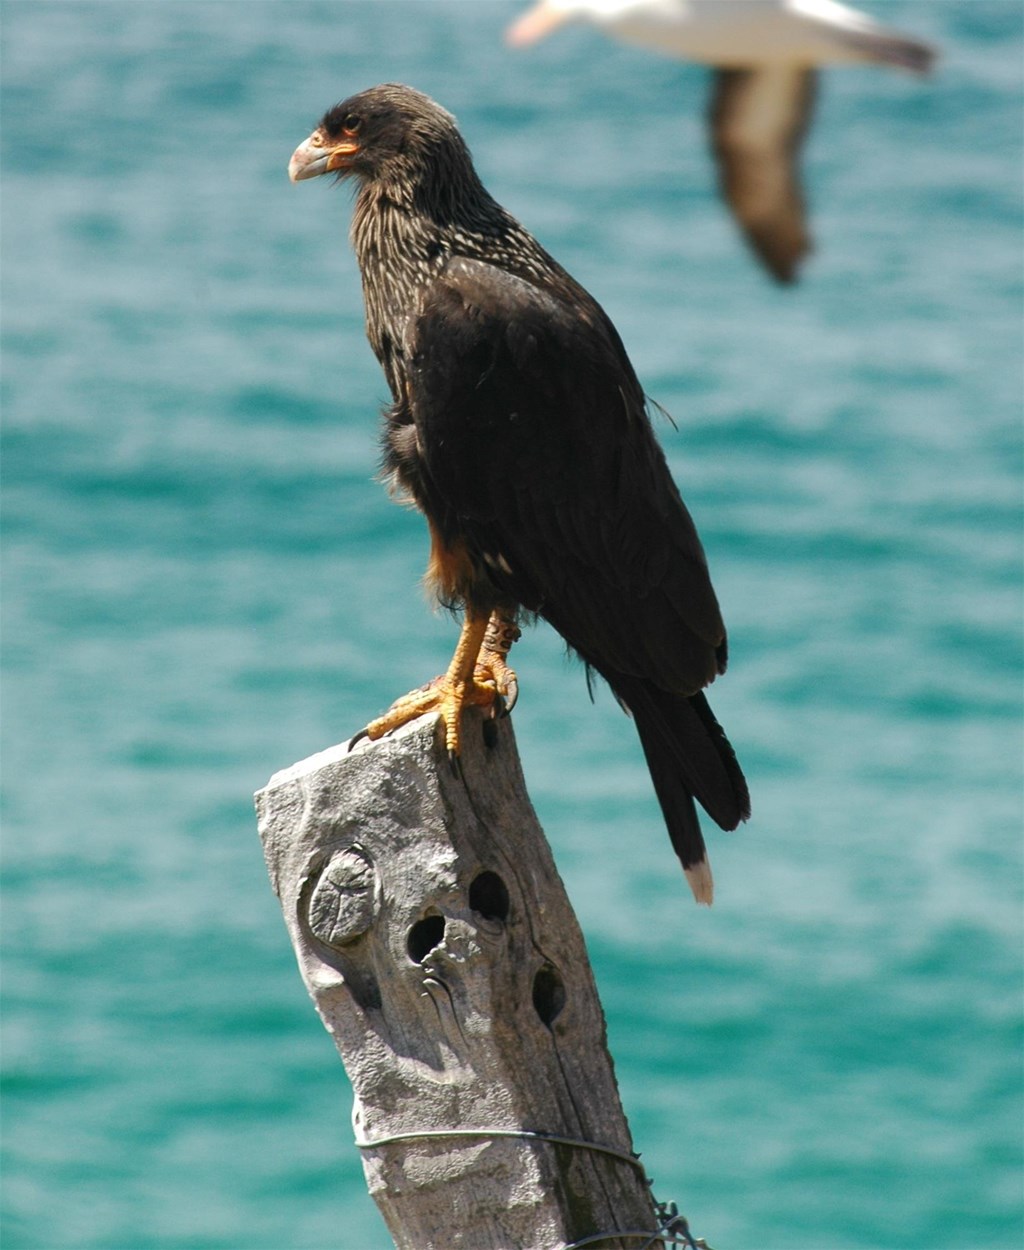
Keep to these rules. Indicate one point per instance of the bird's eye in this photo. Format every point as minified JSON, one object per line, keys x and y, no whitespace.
{"x":351,"y":123}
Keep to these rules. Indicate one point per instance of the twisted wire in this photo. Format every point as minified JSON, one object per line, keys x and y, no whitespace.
{"x":672,"y":1230}
{"x":528,"y":1134}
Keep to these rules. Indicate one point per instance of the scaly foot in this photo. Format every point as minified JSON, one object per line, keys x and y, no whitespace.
{"x":478,"y":676}
{"x":492,"y":665}
{"x":443,"y":695}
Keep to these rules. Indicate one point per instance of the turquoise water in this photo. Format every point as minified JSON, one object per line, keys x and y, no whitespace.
{"x":203,"y":583}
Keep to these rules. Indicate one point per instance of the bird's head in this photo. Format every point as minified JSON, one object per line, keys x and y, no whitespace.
{"x":387,"y":133}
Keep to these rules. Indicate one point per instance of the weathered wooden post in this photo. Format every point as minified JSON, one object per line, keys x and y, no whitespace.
{"x":435,"y":937}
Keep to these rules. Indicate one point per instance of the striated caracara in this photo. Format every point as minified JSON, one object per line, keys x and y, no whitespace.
{"x":520,"y":430}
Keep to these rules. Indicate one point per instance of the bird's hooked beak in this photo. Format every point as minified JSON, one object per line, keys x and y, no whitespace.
{"x":536,"y":24}
{"x":320,"y":155}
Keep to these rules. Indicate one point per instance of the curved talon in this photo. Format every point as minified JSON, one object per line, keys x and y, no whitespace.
{"x":493,"y":673}
{"x":358,"y":737}
{"x":492,"y":662}
{"x":511,"y":695}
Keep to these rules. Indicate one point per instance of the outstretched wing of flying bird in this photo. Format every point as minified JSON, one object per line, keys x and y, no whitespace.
{"x":759,"y":118}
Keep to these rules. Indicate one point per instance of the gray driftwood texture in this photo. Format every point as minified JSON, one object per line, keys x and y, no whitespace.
{"x":435,"y":937}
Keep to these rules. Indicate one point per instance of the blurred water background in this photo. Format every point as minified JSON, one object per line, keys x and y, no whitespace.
{"x":203,"y":583}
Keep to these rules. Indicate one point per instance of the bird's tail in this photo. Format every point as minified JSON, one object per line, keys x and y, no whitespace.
{"x":689,"y":758}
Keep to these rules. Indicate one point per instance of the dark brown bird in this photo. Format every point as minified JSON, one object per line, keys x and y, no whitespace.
{"x":520,"y":430}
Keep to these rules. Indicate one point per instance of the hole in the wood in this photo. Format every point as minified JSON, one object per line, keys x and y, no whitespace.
{"x":424,"y":936}
{"x":488,"y":895}
{"x":548,"y":994}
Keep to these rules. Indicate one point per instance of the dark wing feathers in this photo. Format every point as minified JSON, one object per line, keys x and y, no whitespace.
{"x":759,"y":118}
{"x":559,"y":474}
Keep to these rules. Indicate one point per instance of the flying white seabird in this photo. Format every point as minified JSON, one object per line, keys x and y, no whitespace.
{"x":765,"y":55}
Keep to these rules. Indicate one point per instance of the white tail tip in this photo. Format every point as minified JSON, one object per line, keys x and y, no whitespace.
{"x":701,"y":882}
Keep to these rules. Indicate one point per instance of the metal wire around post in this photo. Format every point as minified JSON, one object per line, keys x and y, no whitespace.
{"x":672,"y":1229}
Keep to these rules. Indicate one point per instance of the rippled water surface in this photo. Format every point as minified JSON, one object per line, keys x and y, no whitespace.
{"x":203,"y":583}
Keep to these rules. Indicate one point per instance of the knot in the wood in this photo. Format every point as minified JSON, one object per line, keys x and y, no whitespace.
{"x":341,"y":906}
